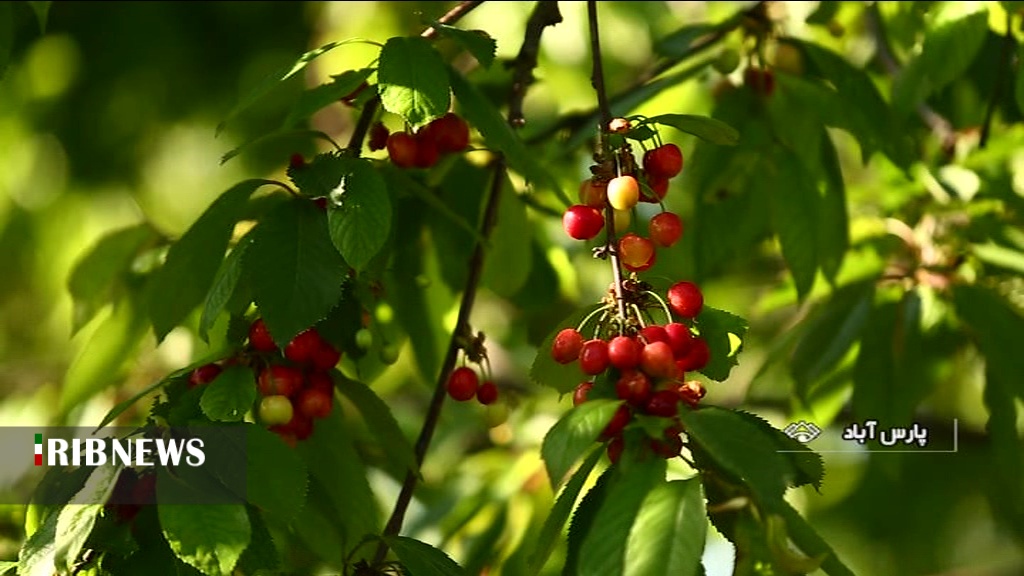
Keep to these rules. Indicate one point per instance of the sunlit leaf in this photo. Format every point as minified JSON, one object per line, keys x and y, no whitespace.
{"x":412,"y":80}
{"x":570,"y":437}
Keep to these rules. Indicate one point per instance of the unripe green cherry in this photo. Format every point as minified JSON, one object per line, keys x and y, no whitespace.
{"x":364,"y":338}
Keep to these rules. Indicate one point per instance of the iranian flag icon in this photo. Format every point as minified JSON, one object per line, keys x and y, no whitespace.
{"x":39,"y":449}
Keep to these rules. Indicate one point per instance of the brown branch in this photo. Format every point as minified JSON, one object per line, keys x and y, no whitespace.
{"x":545,"y":14}
{"x":355,"y":142}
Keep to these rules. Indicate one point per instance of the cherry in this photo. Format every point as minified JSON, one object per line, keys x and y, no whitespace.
{"x":636,"y":252}
{"x":364,"y":338}
{"x":665,"y":229}
{"x":566,"y":346}
{"x":314,"y":403}
{"x":321,"y":381}
{"x":679,"y":338}
{"x":389,"y":353}
{"x":582,"y":222}
{"x":633,"y":387}
{"x":624,"y":352}
{"x":665,"y":161}
{"x":761,"y":81}
{"x":303,"y":347}
{"x":660,"y":188}
{"x":663,"y":403}
{"x":685,"y":299}
{"x":657,"y":360}
{"x":593,"y":193}
{"x":279,"y":379}
{"x":463,"y":383}
{"x":615,"y":448}
{"x":204,"y":375}
{"x":378,"y":137}
{"x":623,"y":192}
{"x":594,"y":357}
{"x":579,"y":395}
{"x":325,"y":356}
{"x":298,"y":428}
{"x":653,"y":333}
{"x":259,"y":337}
{"x":427,"y":151}
{"x":496,"y":414}
{"x":275,"y":409}
{"x":696,"y":358}
{"x":618,"y":422}
{"x":296,"y":162}
{"x":321,"y":203}
{"x":402,"y":149}
{"x":450,"y":133}
{"x":669,"y":447}
{"x":487,"y":393}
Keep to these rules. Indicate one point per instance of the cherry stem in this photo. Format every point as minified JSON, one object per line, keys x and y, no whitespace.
{"x":664,"y":306}
{"x":597,"y":79}
{"x":596,"y":311}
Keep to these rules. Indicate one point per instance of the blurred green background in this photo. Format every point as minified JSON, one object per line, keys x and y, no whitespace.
{"x":107,"y":119}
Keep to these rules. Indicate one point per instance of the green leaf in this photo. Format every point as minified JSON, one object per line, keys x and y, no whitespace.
{"x":833,"y":219}
{"x":36,"y":554}
{"x":381,"y":423}
{"x":669,"y":532}
{"x":209,"y":537}
{"x":295,"y":271}
{"x":275,"y":474}
{"x":1006,"y":496}
{"x":583,"y":520}
{"x":805,"y":537}
{"x":8,"y":567}
{"x":460,"y":192}
{"x":830,"y":333}
{"x":476,"y":42}
{"x":603,"y":551}
{"x":93,"y":279}
{"x":230,"y":395}
{"x":1018,"y":87}
{"x":508,"y":259}
{"x":680,"y":43}
{"x":993,"y":323}
{"x":545,"y":371}
{"x":182,"y":283}
{"x":999,"y":255}
{"x":551,"y":531}
{"x":225,"y":285}
{"x":823,"y":14}
{"x":277,"y":135}
{"x":703,"y":127}
{"x":398,"y":179}
{"x":261,"y":556}
{"x":360,"y":214}
{"x":573,"y":434}
{"x":421,"y":559}
{"x":794,"y":210}
{"x":724,"y":334}
{"x":313,"y":99}
{"x":120,"y":407}
{"x":42,"y":12}
{"x":498,"y":135}
{"x":806,"y":465}
{"x":412,"y":80}
{"x":6,"y":35}
{"x":279,"y":76}
{"x":75,"y":522}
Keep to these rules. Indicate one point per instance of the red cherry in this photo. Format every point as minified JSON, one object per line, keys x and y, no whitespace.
{"x":303,"y":347}
{"x":615,"y":448}
{"x":566,"y":346}
{"x":663,"y":403}
{"x":685,"y":299}
{"x":636,"y":252}
{"x":487,"y":393}
{"x":594,"y":357}
{"x":579,"y":395}
{"x":761,"y":81}
{"x":325,"y":356}
{"x":656,"y":359}
{"x":296,"y":162}
{"x":402,"y":149}
{"x":279,"y":379}
{"x":617,"y":423}
{"x":314,"y":403}
{"x":259,"y":337}
{"x":450,"y":133}
{"x":427,"y":152}
{"x":696,"y":358}
{"x":633,"y":387}
{"x":317,"y":380}
{"x":594,"y":193}
{"x":624,"y":352}
{"x":378,"y":137}
{"x":665,"y":161}
{"x":462,"y":383}
{"x":669,"y":447}
{"x":679,"y":338}
{"x":665,"y":229}
{"x":653,"y":333}
{"x":298,"y":428}
{"x":204,"y":375}
{"x":582,"y":222}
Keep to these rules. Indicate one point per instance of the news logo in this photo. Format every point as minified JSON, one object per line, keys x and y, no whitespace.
{"x":138,"y":452}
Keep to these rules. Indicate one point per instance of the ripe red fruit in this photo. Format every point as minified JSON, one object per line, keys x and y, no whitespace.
{"x":633,"y":387}
{"x":296,"y":161}
{"x":303,"y":347}
{"x":615,"y":448}
{"x":663,"y":403}
{"x":462,"y":383}
{"x":566,"y":346}
{"x":636,"y":252}
{"x":617,"y":423}
{"x":624,"y":352}
{"x":298,"y":428}
{"x":279,"y":379}
{"x":660,"y":188}
{"x":402,"y":149}
{"x":679,"y":338}
{"x":665,"y":161}
{"x":427,"y":152}
{"x":487,"y":393}
{"x":314,"y":403}
{"x":275,"y":410}
{"x":317,"y":380}
{"x":685,"y":299}
{"x":665,"y":229}
{"x":259,"y":337}
{"x":653,"y":333}
{"x":761,"y":81}
{"x":582,"y":222}
{"x":594,"y":357}
{"x":204,"y":375}
{"x":378,"y":137}
{"x":696,"y":358}
{"x":325,"y":356}
{"x":450,"y":133}
{"x":593,"y":193}
{"x":657,"y":360}
{"x":669,"y":447}
{"x":623,"y":192}
{"x":579,"y":395}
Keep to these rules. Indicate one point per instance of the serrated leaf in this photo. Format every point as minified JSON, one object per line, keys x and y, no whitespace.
{"x":508,"y":259}
{"x":807,"y":466}
{"x":703,"y":127}
{"x":313,"y":99}
{"x":75,"y":522}
{"x":295,"y":272}
{"x":209,"y":537}
{"x":724,"y":334}
{"x":35,"y":557}
{"x":574,"y":432}
{"x":279,"y":76}
{"x":498,"y":135}
{"x":794,"y":210}
{"x":321,"y":175}
{"x":808,"y":540}
{"x":261,"y":556}
{"x":412,"y":80}
{"x":550,"y":532}
{"x":669,"y":532}
{"x":230,"y":395}
{"x":421,"y":559}
{"x":359,"y":216}
{"x":275,"y":474}
{"x":225,"y":284}
{"x":583,"y":520}
{"x":124,"y":405}
{"x":183,"y":281}
{"x":993,"y":322}
{"x":381,"y":423}
{"x":398,"y":179}
{"x":603,"y":551}
{"x":476,"y":42}
{"x":91,"y":282}
{"x":545,"y":371}
{"x":276,"y":135}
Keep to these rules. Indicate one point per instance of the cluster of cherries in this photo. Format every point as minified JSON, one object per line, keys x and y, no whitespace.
{"x":295,"y":384}
{"x":448,"y":134}
{"x":464,"y":384}
{"x":643,"y":365}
